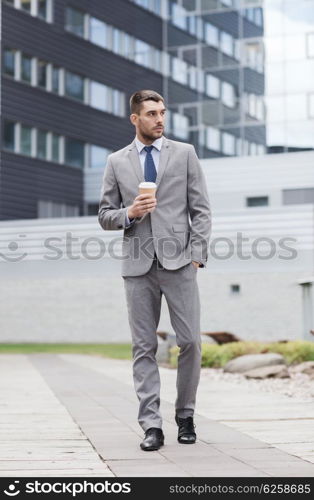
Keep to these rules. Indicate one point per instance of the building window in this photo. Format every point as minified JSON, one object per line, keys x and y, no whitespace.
{"x":310,"y":44}
{"x":180,"y":126}
{"x":257,"y":201}
{"x":298,"y":196}
{"x":118,"y":103}
{"x":98,"y":156}
{"x":9,"y":135}
{"x":119,"y":42}
{"x":26,"y":5}
{"x":142,"y":53}
{"x":228,"y":144}
{"x":192,"y":26}
{"x":9,"y":62}
{"x":42,"y":144}
{"x":74,"y":152}
{"x":75,"y":21}
{"x":55,"y":149}
{"x":254,"y":55}
{"x":52,"y":147}
{"x":212,"y":86}
{"x":26,"y":68}
{"x":92,"y":208}
{"x":39,"y":8}
{"x":193,"y":77}
{"x":178,"y":16}
{"x":74,"y":86}
{"x":98,"y":32}
{"x":100,"y":97}
{"x":55,"y":84}
{"x":253,"y":149}
{"x":179,"y":71}
{"x":226,"y":43}
{"x":156,"y":60}
{"x":211,"y":35}
{"x":42,"y":9}
{"x":235,"y":289}
{"x":26,"y":140}
{"x":228,"y":95}
{"x":200,"y":28}
{"x":54,"y":79}
{"x":48,"y":208}
{"x":42,"y":74}
{"x":212,"y":138}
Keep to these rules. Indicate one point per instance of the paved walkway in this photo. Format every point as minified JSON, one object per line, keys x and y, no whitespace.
{"x":75,"y":415}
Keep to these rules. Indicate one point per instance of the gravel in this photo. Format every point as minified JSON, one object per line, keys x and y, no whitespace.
{"x":299,"y":385}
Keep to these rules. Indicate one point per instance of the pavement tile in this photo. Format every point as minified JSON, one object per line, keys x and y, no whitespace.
{"x":101,"y":399}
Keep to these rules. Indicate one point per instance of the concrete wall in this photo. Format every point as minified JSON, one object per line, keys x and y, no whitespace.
{"x":79,"y":296}
{"x":231,"y":180}
{"x":90,"y":306}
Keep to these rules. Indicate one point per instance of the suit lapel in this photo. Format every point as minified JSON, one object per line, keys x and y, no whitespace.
{"x":163,"y":160}
{"x":135,"y":161}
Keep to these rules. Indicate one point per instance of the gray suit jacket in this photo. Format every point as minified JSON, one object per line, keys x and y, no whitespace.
{"x":178,"y":230}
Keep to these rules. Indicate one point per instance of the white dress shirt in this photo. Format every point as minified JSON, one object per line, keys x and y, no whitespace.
{"x":155,"y":152}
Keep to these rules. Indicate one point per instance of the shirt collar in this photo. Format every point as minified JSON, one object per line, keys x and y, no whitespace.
{"x":139,"y":145}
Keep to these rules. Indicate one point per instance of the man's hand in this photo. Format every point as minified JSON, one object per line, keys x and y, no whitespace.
{"x":142,"y":204}
{"x":196,"y":264}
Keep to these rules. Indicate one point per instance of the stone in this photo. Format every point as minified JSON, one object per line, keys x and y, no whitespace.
{"x":305,"y":367}
{"x":276,"y":371}
{"x":165,"y":342}
{"x":222,"y":337}
{"x":248,"y":362}
{"x":206,"y":339}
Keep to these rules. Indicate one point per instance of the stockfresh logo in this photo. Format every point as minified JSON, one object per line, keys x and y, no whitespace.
{"x":12,"y":490}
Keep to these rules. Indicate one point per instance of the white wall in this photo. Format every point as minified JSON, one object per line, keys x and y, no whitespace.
{"x":231,"y":180}
{"x":79,"y":298}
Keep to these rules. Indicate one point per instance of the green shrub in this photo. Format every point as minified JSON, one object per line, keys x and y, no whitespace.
{"x":216,"y":356}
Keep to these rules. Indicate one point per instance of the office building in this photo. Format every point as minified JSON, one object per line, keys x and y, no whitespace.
{"x":69,"y":67}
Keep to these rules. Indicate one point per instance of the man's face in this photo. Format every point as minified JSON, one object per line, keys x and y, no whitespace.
{"x":149,"y":123}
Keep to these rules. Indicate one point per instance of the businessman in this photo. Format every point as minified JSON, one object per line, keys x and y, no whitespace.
{"x":165,"y":241}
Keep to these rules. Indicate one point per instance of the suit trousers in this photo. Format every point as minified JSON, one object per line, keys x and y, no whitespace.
{"x":144,"y":295}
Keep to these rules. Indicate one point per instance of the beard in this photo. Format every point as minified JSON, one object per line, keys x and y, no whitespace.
{"x":152,"y":135}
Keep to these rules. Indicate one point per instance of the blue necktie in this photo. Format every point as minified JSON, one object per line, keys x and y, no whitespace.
{"x":150,"y":173}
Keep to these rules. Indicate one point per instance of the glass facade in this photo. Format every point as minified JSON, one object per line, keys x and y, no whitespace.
{"x":250,"y":64}
{"x":289,"y":74}
{"x":224,"y":42}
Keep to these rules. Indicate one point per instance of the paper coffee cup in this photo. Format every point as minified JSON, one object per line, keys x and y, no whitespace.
{"x":147,"y":188}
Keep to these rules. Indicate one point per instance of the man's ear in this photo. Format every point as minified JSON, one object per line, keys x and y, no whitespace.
{"x":133,"y":118}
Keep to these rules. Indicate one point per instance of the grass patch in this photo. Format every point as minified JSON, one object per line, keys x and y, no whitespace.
{"x":216,"y":356}
{"x":116,"y":351}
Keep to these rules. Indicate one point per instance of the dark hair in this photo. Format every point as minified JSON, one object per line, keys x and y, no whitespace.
{"x":140,"y":96}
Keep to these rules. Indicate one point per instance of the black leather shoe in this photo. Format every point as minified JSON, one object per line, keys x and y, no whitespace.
{"x":153,"y":440}
{"x":186,"y":432}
